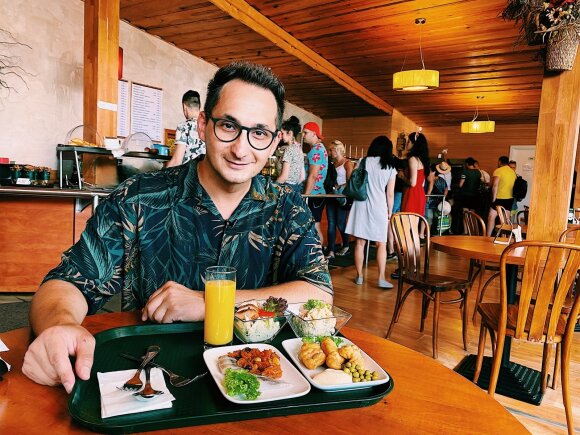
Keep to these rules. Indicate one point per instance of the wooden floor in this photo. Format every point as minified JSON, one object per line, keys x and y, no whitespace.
{"x":372,"y":309}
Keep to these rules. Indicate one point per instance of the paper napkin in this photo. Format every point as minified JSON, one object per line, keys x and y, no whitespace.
{"x":118,"y":402}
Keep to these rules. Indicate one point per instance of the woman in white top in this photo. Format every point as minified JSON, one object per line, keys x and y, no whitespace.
{"x":369,"y":219}
{"x":292,"y":171}
{"x":335,"y":212}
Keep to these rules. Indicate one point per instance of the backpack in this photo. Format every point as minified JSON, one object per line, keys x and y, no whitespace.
{"x":331,"y":178}
{"x":520,"y":188}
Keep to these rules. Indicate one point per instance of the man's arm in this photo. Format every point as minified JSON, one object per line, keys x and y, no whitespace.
{"x":283,"y":177}
{"x":494,"y":187}
{"x":58,"y":308}
{"x":177,"y":158}
{"x":293,"y":292}
{"x":313,"y":171}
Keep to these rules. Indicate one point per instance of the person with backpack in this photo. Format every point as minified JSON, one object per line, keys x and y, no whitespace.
{"x":339,"y":170}
{"x":502,"y":186}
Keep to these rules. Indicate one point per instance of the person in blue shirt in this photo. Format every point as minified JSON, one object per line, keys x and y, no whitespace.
{"x":153,"y":237}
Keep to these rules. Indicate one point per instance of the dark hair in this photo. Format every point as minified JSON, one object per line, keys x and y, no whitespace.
{"x":470,"y":161}
{"x":512,"y":161}
{"x":420,"y":150}
{"x":247,"y":72}
{"x":292,"y":124}
{"x":191,"y":99}
{"x":504,"y":160}
{"x":382,"y":147}
{"x":434,"y":169}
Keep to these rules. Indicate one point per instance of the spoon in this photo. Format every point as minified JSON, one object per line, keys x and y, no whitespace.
{"x":148,"y":392}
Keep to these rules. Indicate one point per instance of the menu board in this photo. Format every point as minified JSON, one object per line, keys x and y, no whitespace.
{"x":123,"y":109}
{"x":146,"y":111}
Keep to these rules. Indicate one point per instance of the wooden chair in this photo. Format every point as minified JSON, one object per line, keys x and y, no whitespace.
{"x":522,"y":216}
{"x":505,"y":223}
{"x":407,"y":243}
{"x":475,"y":226}
{"x":550,"y":269}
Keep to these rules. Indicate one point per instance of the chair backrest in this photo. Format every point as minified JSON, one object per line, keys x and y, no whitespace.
{"x":505,"y":217}
{"x":549,"y":270}
{"x":473,"y":224}
{"x":408,"y":244}
{"x":571,"y":235}
{"x":522,"y":217}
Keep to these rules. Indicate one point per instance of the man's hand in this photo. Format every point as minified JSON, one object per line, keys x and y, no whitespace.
{"x":47,"y":359}
{"x":174,"y":302}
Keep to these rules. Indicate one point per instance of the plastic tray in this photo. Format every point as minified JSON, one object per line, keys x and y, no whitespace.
{"x":197,"y":403}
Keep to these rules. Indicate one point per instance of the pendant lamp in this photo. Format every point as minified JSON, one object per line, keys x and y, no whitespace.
{"x":475,"y":126}
{"x":416,"y":79}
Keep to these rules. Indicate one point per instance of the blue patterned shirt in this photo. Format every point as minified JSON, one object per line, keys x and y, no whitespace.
{"x":163,"y":226}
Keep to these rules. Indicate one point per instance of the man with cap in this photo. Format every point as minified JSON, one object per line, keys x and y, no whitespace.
{"x":317,"y":165}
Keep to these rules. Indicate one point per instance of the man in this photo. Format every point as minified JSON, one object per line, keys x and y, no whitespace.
{"x":485,"y":177}
{"x":188,"y":145}
{"x":502,"y":184}
{"x":513,"y":164}
{"x":467,"y":196}
{"x":317,"y":161}
{"x":153,"y":238}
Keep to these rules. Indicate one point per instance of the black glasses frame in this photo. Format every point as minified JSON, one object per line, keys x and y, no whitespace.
{"x":240,"y":129}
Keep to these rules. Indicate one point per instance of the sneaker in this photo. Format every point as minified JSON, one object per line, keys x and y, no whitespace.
{"x":395,"y":274}
{"x":343,"y":251}
{"x":330,"y":255}
{"x":384,"y":284}
{"x":358,"y":280}
{"x":392,"y":256}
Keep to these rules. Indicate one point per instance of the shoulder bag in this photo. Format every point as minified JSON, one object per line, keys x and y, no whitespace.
{"x":356,"y":187}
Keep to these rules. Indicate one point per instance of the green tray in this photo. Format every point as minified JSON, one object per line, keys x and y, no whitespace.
{"x":200,"y":402}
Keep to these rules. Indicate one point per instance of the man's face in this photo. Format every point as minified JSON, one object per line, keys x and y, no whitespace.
{"x":309,"y":137}
{"x":287,"y":137}
{"x":250,"y":106}
{"x":513,"y":166}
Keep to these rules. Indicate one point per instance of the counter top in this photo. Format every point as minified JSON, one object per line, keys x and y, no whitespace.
{"x":53,"y":191}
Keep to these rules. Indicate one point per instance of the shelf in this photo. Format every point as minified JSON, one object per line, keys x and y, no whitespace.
{"x":104,"y":151}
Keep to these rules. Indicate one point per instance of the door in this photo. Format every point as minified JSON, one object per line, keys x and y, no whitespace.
{"x":524,"y":156}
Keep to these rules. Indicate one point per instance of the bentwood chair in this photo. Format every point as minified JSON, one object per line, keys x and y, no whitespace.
{"x":505,"y":222}
{"x":474,"y":226}
{"x":415,"y":272}
{"x":550,"y":269}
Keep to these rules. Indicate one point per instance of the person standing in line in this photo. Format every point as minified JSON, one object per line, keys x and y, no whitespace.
{"x":292,"y":172}
{"x":466,"y":196}
{"x":188,"y":145}
{"x":369,"y":219}
{"x":317,"y":162}
{"x":502,"y":186}
{"x":401,"y":165}
{"x":335,"y":212}
{"x":414,"y":196}
{"x":435,"y":185}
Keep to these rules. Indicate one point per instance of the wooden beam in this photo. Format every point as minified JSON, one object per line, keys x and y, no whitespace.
{"x":556,"y":145}
{"x":243,"y":12}
{"x":101,"y":65}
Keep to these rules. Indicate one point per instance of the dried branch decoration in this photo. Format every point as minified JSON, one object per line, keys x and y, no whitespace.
{"x":9,"y":67}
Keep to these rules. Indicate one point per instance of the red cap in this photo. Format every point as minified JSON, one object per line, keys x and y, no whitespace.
{"x":313,"y":127}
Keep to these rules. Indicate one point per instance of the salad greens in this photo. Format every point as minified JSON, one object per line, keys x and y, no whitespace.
{"x":242,"y":383}
{"x":275,"y":305}
{"x":315,"y":303}
{"x":318,"y":339}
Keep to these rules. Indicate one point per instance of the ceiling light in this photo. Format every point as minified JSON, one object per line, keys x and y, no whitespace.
{"x":474,"y":126}
{"x":416,"y":79}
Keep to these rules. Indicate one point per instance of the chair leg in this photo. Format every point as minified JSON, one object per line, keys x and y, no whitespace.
{"x":565,"y":361}
{"x":482,"y":293}
{"x":495,"y":366}
{"x":424,"y":310}
{"x":556,"y":374}
{"x":547,"y":354}
{"x":397,"y":307}
{"x":480,"y":352}
{"x":493,"y":343}
{"x":479,"y":283}
{"x":403,"y":299}
{"x":436,"y":306}
{"x":464,"y":317}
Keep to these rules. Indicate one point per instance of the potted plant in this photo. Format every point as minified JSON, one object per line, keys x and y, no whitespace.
{"x":555,"y":23}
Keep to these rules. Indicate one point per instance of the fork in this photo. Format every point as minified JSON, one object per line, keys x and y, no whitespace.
{"x":135,"y":383}
{"x":174,"y":379}
{"x":148,"y":392}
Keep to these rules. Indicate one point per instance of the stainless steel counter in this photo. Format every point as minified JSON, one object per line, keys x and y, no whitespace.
{"x":78,"y":194}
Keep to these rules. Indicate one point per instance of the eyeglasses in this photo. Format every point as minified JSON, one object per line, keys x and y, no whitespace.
{"x":227,"y":130}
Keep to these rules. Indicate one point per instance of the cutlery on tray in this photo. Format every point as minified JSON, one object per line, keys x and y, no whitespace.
{"x":148,"y":392}
{"x":174,"y":379}
{"x":135,"y":383}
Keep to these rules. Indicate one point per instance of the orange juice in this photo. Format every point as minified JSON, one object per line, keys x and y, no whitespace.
{"x":220,"y":299}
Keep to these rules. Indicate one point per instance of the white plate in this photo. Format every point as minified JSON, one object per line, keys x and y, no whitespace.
{"x":292,"y":347}
{"x":295,"y":385}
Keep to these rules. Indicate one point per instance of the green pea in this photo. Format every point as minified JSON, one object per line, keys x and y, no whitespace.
{"x":356,"y":380}
{"x":355,"y":375}
{"x":348,"y":364}
{"x":357,"y":367}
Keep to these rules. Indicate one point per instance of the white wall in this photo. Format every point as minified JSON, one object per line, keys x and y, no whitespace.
{"x":34,"y":120}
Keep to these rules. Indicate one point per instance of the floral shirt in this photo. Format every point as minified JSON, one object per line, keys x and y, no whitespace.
{"x":295,"y":158}
{"x":186,"y":133}
{"x":318,"y":156}
{"x":163,"y":226}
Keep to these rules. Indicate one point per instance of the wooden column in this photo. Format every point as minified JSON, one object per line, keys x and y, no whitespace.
{"x":556,"y":144}
{"x":101,"y":65}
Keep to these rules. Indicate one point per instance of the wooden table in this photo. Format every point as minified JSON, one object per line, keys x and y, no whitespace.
{"x":427,"y":398}
{"x":515,"y":381}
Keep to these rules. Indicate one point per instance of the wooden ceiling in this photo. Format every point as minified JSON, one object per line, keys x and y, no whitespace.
{"x":466,"y":40}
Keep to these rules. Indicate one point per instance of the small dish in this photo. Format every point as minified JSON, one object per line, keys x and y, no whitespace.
{"x":327,"y":325}
{"x":293,"y":383}
{"x":261,"y":330}
{"x":292,"y":347}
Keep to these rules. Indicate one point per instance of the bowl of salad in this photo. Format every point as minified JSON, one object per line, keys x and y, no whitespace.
{"x":259,"y":321}
{"x":316,"y":318}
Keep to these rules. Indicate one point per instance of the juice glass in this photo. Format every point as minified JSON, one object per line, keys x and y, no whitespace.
{"x":220,"y":299}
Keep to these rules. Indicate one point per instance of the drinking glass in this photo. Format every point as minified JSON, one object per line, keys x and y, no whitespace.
{"x":220,"y":299}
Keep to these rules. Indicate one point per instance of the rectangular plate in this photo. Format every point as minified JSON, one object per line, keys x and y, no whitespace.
{"x":295,"y":386}
{"x":292,"y":348}
{"x":198,"y":403}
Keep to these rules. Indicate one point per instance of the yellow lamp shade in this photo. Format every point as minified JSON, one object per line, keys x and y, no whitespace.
{"x":478,"y":127}
{"x":416,"y":80}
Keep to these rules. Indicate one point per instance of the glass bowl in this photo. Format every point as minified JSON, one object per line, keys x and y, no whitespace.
{"x":260,"y":330}
{"x":330,"y":325}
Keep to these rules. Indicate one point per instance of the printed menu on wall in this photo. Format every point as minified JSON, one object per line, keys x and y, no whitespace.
{"x":123,"y":109}
{"x":146,"y":111}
